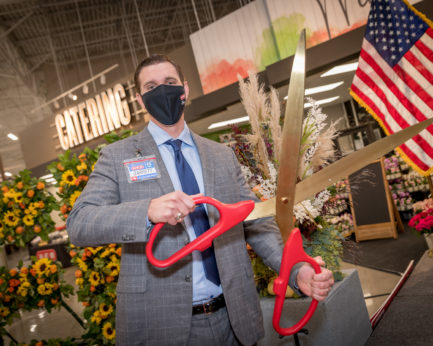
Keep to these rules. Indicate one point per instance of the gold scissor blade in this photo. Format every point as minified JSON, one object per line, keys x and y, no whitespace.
{"x":291,"y":142}
{"x":342,"y":168}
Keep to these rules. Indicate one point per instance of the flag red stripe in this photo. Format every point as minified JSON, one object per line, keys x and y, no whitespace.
{"x":429,"y":32}
{"x":419,"y":66}
{"x":372,"y":105}
{"x":414,"y":158}
{"x":413,"y":85}
{"x":424,"y":49}
{"x":394,"y":89}
{"x":401,"y":121}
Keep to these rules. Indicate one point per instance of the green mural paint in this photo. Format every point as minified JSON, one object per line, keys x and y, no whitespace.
{"x":286,"y":31}
{"x":266,"y":54}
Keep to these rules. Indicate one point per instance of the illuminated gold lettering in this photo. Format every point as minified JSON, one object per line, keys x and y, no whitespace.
{"x":60,"y":125}
{"x":84,"y":121}
{"x":95,"y":121}
{"x":70,"y":130}
{"x":110,"y":109}
{"x":102,"y":114}
{"x":122,"y":104}
{"x":73,"y":111}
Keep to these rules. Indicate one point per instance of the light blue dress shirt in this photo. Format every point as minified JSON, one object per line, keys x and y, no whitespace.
{"x":202,"y":289}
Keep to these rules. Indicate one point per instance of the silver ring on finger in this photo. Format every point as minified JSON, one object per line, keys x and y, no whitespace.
{"x":179,"y":216}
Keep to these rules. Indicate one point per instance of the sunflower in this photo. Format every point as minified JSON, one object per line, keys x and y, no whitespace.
{"x":74,"y":197}
{"x":10,"y":194}
{"x":114,"y":268}
{"x":94,"y":278}
{"x":11,"y":219}
{"x":23,"y":289}
{"x":105,"y":309}
{"x":96,"y":318}
{"x":82,"y":167}
{"x":79,"y":282}
{"x":105,"y":253}
{"x":108,"y":331}
{"x":45,"y":289}
{"x":69,"y":177}
{"x":18,"y":197}
{"x":42,"y":266}
{"x":82,"y":265}
{"x":4,"y":311}
{"x":28,"y":220}
{"x":1,"y":226}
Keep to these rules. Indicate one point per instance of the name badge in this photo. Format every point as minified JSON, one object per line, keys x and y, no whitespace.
{"x":141,"y":168}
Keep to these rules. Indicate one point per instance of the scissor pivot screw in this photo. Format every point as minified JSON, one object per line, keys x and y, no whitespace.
{"x":284,"y":200}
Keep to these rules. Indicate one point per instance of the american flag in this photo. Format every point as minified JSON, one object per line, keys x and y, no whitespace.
{"x":394,"y":79}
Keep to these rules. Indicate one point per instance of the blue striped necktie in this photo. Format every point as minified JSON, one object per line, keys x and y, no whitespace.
{"x":199,"y":219}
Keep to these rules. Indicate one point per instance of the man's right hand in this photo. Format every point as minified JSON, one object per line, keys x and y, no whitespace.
{"x":171,"y":208}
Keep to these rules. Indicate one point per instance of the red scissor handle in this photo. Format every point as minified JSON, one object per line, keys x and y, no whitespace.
{"x":230,"y":215}
{"x":293,"y":253}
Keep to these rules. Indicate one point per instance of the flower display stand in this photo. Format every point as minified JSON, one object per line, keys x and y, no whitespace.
{"x":429,"y":240}
{"x":342,"y":319}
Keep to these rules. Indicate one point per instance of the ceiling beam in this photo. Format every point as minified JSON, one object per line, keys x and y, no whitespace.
{"x":11,"y":54}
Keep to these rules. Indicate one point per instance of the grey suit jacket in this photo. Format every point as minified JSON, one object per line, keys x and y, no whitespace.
{"x":154,"y":305}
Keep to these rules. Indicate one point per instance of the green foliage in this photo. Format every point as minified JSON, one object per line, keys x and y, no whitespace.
{"x":326,"y":242}
{"x":262,"y":275}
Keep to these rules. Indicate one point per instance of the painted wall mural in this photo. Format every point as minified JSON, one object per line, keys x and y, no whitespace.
{"x":265,"y":31}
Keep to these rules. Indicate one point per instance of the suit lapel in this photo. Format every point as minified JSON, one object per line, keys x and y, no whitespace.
{"x":146,"y":146}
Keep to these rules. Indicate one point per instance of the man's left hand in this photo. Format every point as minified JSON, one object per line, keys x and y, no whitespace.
{"x":315,"y":285}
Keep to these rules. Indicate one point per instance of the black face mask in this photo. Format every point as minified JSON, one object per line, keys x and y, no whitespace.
{"x":165,"y":103}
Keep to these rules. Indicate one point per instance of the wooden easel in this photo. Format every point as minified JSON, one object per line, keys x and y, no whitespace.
{"x":369,"y":199}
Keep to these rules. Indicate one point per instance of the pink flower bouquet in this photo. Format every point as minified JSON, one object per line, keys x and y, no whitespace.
{"x":423,"y":222}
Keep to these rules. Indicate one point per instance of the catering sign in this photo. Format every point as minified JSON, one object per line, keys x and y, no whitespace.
{"x":98,"y":115}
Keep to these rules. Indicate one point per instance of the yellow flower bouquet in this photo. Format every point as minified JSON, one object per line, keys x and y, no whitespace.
{"x":25,"y":207}
{"x":37,"y":286}
{"x":96,"y":278}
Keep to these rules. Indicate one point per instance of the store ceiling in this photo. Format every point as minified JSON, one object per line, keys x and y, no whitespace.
{"x":64,"y":33}
{"x":61,"y":33}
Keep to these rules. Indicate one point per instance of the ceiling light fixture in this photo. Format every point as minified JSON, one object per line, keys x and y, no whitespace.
{"x":341,"y":69}
{"x":73,"y":97}
{"x":85,"y":89}
{"x":12,"y":136}
{"x":8,"y":174}
{"x":103,"y":79}
{"x":56,"y":105}
{"x":227,"y":122}
{"x":321,"y":88}
{"x":321,"y":102}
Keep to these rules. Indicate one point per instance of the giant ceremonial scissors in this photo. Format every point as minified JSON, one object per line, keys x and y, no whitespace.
{"x":288,"y":193}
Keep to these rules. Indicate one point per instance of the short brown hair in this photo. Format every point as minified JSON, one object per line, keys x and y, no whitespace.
{"x":153,"y":60}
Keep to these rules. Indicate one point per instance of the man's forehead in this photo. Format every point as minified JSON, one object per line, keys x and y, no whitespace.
{"x":157,"y":71}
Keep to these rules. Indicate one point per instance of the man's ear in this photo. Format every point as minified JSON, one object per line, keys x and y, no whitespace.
{"x":139,"y":100}
{"x":186,"y":87}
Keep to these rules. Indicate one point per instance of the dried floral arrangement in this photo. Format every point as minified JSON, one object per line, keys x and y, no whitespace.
{"x":258,"y":152}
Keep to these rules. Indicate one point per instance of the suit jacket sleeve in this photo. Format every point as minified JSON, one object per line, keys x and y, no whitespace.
{"x":98,"y":216}
{"x":263,"y":234}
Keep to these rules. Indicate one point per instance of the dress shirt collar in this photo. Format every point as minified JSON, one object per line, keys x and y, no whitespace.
{"x":160,"y":136}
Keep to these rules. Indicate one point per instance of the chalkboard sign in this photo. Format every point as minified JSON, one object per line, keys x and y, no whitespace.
{"x":371,"y":203}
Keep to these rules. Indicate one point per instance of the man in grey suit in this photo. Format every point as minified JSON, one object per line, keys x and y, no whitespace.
{"x":205,"y":298}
